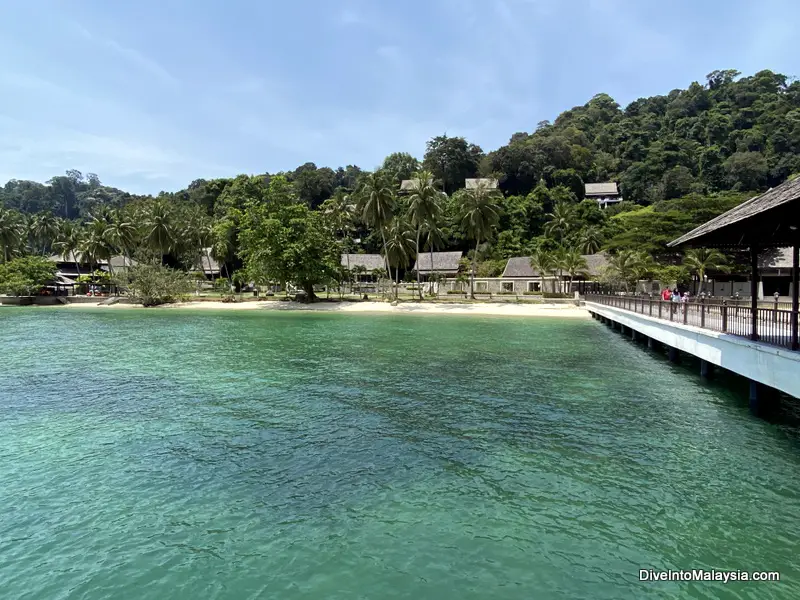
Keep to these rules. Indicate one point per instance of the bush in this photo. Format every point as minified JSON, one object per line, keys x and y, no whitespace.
{"x":457,"y":292}
{"x":26,"y":275}
{"x":532,"y":293}
{"x":152,"y":285}
{"x":506,"y":293}
{"x":554,"y":295}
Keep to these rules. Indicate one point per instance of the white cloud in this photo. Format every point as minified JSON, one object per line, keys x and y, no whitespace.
{"x":134,"y":57}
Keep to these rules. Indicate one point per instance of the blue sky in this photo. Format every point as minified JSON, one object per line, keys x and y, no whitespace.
{"x":152,"y":94}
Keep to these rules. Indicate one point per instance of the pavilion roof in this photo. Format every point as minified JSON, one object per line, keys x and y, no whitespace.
{"x":769,"y":220}
{"x":472,"y":184}
{"x":443,"y":262}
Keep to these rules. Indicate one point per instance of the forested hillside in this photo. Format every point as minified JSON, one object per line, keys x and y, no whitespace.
{"x":679,"y":159}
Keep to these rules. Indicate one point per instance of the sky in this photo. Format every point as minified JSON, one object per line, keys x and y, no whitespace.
{"x":152,"y":94}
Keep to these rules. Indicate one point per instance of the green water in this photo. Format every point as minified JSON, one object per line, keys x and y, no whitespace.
{"x":171,"y":455}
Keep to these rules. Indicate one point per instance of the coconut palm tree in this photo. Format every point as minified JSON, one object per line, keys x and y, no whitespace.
{"x":424,"y":208}
{"x":11,"y":232}
{"x":701,"y":260}
{"x":629,"y":266}
{"x":399,"y":247}
{"x":122,"y":233}
{"x":377,"y":199}
{"x":561,"y":223}
{"x":574,"y":264}
{"x":434,"y":238}
{"x":544,"y":262}
{"x":98,"y":244}
{"x":159,"y":234}
{"x":591,"y":240}
{"x":479,"y":216}
{"x":69,"y":242}
{"x":44,"y":227}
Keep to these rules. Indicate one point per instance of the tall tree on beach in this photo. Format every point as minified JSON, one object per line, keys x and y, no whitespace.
{"x":574,"y":264}
{"x":377,"y":199}
{"x":69,"y":242}
{"x":399,"y":248}
{"x":158,"y":231}
{"x":424,"y":208}
{"x":11,"y":232}
{"x":544,"y":262}
{"x":479,"y":217}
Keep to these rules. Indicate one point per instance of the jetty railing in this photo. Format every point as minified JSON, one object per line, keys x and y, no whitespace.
{"x":776,"y":325}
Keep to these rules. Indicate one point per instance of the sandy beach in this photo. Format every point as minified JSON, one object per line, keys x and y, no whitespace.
{"x":488,"y":308}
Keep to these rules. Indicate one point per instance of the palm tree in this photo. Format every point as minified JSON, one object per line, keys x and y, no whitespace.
{"x":341,"y":213}
{"x":98,"y":244}
{"x":122,"y":233}
{"x":561,"y":222}
{"x":424,"y":208}
{"x":377,"y":200}
{"x":158,"y":231}
{"x":701,"y":260}
{"x":544,"y":262}
{"x":573,"y":262}
{"x":629,"y":266}
{"x":434,"y":238}
{"x":591,"y":240}
{"x":399,"y":248}
{"x":44,"y":228}
{"x":69,"y":242}
{"x":479,"y":216}
{"x":11,"y":232}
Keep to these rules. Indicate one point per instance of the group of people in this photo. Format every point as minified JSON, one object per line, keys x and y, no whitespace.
{"x":677,"y":299}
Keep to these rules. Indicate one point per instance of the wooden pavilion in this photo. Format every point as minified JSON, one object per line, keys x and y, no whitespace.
{"x":766,"y":222}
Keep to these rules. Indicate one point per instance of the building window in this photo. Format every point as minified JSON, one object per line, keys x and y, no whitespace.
{"x":534,"y":286}
{"x":506,"y":286}
{"x":481,"y":286}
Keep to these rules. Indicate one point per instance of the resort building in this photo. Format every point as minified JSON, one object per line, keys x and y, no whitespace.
{"x":775,"y":270}
{"x":207,"y":266}
{"x":526,"y":279}
{"x":604,"y":194}
{"x":411,"y":185}
{"x":443,"y":264}
{"x":363,"y":267}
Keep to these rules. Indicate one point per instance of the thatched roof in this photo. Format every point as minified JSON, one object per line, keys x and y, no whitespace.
{"x":370,"y":262}
{"x":70,"y":257}
{"x":601,"y":189}
{"x":411,"y":185}
{"x":472,"y":184}
{"x":520,"y":266}
{"x":770,"y":220}
{"x":443,"y":262}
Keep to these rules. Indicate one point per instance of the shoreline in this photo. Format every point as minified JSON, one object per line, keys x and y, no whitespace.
{"x":488,"y":308}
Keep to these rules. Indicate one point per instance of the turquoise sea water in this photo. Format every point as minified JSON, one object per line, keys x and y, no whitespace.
{"x":166,"y":454}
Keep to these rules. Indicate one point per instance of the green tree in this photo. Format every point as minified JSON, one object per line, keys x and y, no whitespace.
{"x":452,"y":160}
{"x":400,"y":166}
{"x":376,"y":204}
{"x":11,"y":232}
{"x":400,"y":246}
{"x":69,"y":242}
{"x":479,"y":217}
{"x":25,"y":275}
{"x":545,"y":264}
{"x":574,"y":264}
{"x":561,"y":222}
{"x":289,"y":244}
{"x":159,"y":235}
{"x":700,"y":261}
{"x":424,"y":208}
